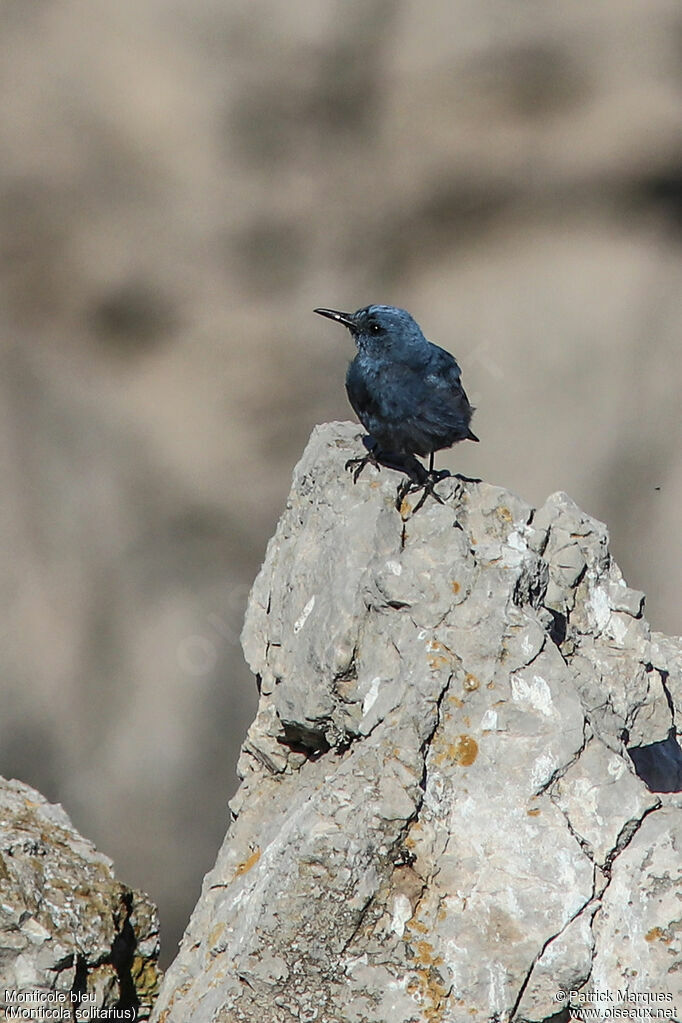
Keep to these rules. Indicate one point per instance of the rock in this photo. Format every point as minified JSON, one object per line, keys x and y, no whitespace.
{"x":440,"y":816}
{"x":70,"y":934}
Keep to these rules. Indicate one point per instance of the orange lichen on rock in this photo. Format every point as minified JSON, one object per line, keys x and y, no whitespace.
{"x":427,"y":985}
{"x":245,"y":866}
{"x":465,"y":750}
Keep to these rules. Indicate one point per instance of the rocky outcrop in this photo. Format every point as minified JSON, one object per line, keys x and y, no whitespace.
{"x":440,"y":816}
{"x":73,"y":939}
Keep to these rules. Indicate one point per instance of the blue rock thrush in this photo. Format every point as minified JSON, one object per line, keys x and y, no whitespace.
{"x":405,"y":391}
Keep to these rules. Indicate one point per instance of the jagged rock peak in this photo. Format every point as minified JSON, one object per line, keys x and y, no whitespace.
{"x":441,"y":815}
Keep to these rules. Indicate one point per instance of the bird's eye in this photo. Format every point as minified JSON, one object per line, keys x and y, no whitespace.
{"x":374,"y":328}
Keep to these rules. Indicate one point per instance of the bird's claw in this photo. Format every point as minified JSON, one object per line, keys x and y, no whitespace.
{"x":418,"y":478}
{"x":426,"y":485}
{"x":356,"y":465}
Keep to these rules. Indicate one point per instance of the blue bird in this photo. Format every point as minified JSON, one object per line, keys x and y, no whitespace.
{"x":405,"y":391}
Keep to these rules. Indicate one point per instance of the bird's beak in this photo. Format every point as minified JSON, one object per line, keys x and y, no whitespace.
{"x":346,"y":319}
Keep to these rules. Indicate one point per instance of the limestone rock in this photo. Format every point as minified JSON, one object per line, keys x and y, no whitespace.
{"x":69,"y":931}
{"x":440,"y":817}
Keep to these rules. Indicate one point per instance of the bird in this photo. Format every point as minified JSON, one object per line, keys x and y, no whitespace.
{"x":406,"y":392}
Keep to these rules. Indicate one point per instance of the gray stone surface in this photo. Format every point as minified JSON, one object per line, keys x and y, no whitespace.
{"x":67,"y":926}
{"x":439,"y":818}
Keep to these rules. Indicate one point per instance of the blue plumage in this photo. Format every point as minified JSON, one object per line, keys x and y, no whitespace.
{"x":405,"y":391}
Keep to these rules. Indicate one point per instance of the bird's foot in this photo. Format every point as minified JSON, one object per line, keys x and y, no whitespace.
{"x":425,"y":483}
{"x":356,"y":465}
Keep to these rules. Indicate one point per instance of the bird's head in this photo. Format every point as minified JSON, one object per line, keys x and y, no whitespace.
{"x":378,"y":329}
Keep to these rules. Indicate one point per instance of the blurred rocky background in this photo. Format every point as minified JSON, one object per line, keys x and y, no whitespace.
{"x":180,"y":184}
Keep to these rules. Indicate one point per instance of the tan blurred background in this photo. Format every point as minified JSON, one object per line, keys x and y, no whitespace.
{"x":180,"y":184}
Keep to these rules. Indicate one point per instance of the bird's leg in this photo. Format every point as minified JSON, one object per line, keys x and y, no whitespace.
{"x":436,"y":474}
{"x":377,"y":457}
{"x":403,"y":490}
{"x":415,"y":478}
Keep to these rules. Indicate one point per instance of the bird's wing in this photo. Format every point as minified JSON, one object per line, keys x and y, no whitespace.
{"x":443,"y":367}
{"x":446,"y":401}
